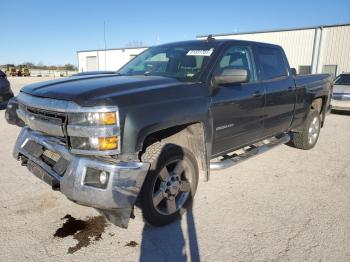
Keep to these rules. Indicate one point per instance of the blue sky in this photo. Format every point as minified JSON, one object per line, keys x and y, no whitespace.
{"x":52,"y":31}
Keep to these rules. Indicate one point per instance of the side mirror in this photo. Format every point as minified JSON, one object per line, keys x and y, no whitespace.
{"x":232,"y":76}
{"x":294,"y":71}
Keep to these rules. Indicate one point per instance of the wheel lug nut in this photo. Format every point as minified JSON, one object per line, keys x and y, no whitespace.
{"x":168,"y":184}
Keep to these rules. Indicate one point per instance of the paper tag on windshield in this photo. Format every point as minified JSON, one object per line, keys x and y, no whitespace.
{"x":201,"y":52}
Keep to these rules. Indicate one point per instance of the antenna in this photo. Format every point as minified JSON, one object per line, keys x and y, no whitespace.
{"x":104,"y":36}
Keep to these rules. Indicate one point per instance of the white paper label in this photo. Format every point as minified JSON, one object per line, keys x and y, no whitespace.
{"x":200,"y":52}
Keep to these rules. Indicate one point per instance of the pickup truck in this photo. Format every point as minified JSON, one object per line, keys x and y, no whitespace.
{"x":147,"y":134}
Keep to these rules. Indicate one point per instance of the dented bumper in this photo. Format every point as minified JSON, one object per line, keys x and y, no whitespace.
{"x":67,"y":172}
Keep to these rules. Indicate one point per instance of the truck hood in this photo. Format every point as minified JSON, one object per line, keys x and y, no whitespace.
{"x":98,"y":89}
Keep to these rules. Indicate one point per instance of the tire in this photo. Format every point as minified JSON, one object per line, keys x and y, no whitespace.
{"x":167,"y":191}
{"x":308,"y":137}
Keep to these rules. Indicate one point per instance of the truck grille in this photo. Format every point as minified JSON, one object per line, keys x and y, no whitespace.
{"x":50,"y":116}
{"x":49,"y":122}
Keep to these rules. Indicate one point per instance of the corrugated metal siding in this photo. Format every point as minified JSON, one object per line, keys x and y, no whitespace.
{"x":297,"y":44}
{"x":336,"y":49}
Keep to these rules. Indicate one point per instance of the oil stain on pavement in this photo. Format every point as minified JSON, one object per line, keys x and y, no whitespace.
{"x":84,"y":231}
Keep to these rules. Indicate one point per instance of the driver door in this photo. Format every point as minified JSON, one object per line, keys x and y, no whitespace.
{"x":237,"y":109}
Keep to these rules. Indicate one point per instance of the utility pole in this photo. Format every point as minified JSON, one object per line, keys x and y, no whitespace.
{"x":104,"y":36}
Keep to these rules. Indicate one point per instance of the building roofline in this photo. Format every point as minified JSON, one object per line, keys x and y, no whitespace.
{"x":108,"y":49}
{"x":277,"y":30}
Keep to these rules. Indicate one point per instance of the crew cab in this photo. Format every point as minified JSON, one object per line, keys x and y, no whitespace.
{"x":147,"y":134}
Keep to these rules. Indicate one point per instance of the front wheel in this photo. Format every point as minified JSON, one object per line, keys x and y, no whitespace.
{"x":170,"y":184}
{"x":307,"y":139}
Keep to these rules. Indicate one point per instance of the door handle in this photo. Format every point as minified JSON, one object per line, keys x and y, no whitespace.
{"x":257,"y":94}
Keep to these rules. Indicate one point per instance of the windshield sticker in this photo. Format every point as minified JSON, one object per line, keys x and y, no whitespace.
{"x":201,"y":52}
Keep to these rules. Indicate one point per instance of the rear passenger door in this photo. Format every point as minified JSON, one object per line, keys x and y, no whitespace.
{"x":238,"y":109}
{"x":280,"y":89}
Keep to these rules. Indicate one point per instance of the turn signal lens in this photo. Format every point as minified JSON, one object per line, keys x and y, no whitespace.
{"x":108,"y":118}
{"x":108,"y":143}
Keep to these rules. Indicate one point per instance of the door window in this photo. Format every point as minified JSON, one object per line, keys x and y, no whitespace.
{"x":237,"y":57}
{"x":272,"y":64}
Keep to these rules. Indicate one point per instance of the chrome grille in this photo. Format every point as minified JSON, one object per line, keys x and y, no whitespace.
{"x":46,"y":121}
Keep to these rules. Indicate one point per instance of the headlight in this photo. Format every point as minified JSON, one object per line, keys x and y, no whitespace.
{"x":93,"y":119}
{"x":94,"y":143}
{"x":94,"y":132}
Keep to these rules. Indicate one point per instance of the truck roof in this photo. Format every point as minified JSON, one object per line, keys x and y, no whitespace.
{"x":223,"y":41}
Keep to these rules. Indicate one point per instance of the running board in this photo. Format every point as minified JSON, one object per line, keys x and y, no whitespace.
{"x":236,"y":157}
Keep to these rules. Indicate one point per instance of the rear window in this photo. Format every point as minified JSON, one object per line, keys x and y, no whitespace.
{"x":271,"y":63}
{"x":343,"y":80}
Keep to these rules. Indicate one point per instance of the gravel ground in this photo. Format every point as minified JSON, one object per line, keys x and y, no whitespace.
{"x":285,"y":205}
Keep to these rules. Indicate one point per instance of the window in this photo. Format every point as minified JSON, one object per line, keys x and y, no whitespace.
{"x":182,"y":61}
{"x":237,"y":57}
{"x":330,"y":69}
{"x":271,"y":62}
{"x":304,"y":70}
{"x":343,"y":79}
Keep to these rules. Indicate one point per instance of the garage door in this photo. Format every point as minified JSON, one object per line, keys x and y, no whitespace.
{"x":91,"y":63}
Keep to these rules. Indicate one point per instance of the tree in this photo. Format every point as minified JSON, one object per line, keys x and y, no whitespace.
{"x":29,"y":64}
{"x":70,"y":67}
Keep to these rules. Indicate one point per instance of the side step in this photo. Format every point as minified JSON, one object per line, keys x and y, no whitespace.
{"x":240,"y":155}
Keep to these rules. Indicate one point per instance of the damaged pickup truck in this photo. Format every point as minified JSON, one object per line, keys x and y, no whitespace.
{"x":147,"y":134}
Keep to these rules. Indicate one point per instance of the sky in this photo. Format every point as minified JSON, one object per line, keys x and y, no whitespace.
{"x":51,"y":32}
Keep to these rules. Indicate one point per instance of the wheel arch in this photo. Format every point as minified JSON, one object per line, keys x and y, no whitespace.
{"x":191,"y":136}
{"x":320,"y":104}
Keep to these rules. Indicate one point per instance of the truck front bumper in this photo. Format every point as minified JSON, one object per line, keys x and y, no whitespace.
{"x":68,"y":175}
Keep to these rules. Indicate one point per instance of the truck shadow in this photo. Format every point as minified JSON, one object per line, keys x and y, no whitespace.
{"x":170,"y":243}
{"x":340,"y":112}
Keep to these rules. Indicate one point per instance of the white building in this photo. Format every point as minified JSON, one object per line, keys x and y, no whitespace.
{"x":106,"y":60}
{"x":322,"y":49}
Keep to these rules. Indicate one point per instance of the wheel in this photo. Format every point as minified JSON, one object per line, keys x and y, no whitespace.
{"x":169,"y":185}
{"x":307,"y":139}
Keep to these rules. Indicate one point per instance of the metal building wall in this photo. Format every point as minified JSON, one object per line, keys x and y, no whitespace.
{"x":298,"y":44}
{"x":336,"y":48}
{"x":322,"y":47}
{"x":111,"y":59}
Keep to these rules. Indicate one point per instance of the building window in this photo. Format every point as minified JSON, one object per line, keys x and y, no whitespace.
{"x":330,"y":69}
{"x":304,"y":69}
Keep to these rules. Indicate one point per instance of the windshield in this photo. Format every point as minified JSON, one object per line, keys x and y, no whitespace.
{"x":343,"y":80}
{"x":183,"y":61}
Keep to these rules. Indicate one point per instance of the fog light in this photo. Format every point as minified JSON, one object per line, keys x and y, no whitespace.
{"x":103,"y":178}
{"x":108,"y":143}
{"x":96,"y":178}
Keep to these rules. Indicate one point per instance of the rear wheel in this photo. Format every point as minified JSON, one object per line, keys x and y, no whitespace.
{"x":170,"y":184}
{"x":307,"y":139}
